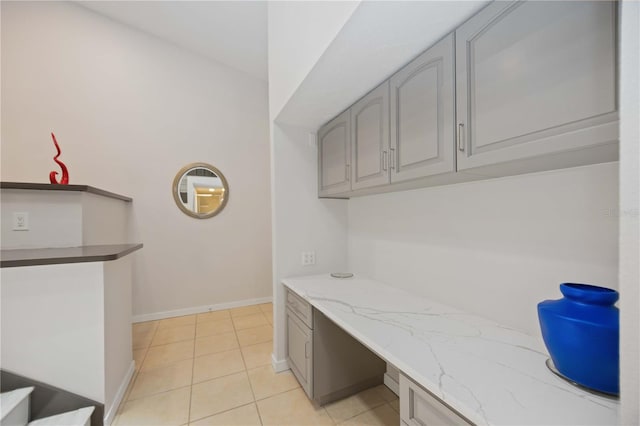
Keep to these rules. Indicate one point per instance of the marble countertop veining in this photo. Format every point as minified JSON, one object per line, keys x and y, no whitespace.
{"x":489,"y":373}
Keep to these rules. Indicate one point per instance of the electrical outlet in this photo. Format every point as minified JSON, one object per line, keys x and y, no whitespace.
{"x":20,"y":221}
{"x":308,"y":258}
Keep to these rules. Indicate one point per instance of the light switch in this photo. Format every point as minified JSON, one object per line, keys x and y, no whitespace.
{"x":20,"y":221}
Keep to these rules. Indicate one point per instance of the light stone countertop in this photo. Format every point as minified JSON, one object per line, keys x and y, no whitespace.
{"x":489,"y":373}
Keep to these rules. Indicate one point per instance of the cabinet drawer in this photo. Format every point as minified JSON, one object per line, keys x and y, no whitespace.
{"x":300,"y":307}
{"x":419,"y":408}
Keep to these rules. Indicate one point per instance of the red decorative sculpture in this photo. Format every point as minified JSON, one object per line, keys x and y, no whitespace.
{"x":65,"y":172}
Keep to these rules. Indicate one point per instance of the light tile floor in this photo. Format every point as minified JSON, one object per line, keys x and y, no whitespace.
{"x":215,"y":369}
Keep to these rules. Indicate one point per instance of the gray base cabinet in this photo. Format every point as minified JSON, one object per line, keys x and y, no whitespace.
{"x":420,"y":408}
{"x":299,"y":350}
{"x":327,"y":361}
{"x":299,"y":332}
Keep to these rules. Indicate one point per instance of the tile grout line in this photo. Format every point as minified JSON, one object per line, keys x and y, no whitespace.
{"x":203,"y":381}
{"x":246,"y":370}
{"x":151,"y":345}
{"x":384,"y":402}
{"x":159,"y":393}
{"x":137,"y":373}
{"x":226,"y":375}
{"x":193,"y":367}
{"x":280,"y":393}
{"x":127,"y":395}
{"x":202,"y":321}
{"x":225,"y":411}
{"x":157,"y":329}
{"x":163,"y":366}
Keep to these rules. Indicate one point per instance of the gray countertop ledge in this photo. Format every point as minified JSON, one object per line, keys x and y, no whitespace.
{"x":59,"y":187}
{"x":54,"y":256}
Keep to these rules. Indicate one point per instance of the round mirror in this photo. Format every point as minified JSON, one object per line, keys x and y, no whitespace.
{"x":200,"y":190}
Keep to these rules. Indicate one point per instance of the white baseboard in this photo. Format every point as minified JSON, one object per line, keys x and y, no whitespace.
{"x":391,"y":384}
{"x":110,"y":412}
{"x":279,"y":365}
{"x":199,"y":309}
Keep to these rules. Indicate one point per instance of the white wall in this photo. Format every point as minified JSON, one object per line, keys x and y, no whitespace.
{"x":69,"y":352}
{"x":118,"y":357}
{"x":64,"y":219}
{"x":629,"y":213}
{"x":106,"y":220}
{"x":55,"y":218}
{"x":302,"y":222}
{"x":69,"y":326}
{"x":494,"y":248}
{"x":299,"y":33}
{"x":130,"y":110}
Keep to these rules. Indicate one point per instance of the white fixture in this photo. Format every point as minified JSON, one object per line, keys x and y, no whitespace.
{"x":308,"y":258}
{"x":20,"y":221}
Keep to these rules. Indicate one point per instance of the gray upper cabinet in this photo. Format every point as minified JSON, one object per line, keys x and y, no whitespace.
{"x":334,"y":156}
{"x":535,"y":78}
{"x":370,"y":139}
{"x":522,"y":86}
{"x":422,"y":115}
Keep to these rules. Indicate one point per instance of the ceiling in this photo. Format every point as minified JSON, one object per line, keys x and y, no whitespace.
{"x":233,"y":33}
{"x":379,"y":38}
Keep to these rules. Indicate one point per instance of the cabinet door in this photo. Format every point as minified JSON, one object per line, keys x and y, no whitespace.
{"x":299,"y":351}
{"x":334,"y":156}
{"x":370,"y":139}
{"x":419,"y":408}
{"x":535,"y":78}
{"x":422,"y":115}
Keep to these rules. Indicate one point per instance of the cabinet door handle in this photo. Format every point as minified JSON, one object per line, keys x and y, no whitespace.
{"x":461,"y":136}
{"x":392,"y":158}
{"x":384,"y":160}
{"x":306,"y":350}
{"x":346,"y":173}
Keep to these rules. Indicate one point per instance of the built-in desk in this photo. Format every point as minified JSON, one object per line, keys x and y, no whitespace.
{"x":488,"y":373}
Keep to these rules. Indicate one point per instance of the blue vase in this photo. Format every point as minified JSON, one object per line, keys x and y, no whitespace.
{"x":582,"y":333}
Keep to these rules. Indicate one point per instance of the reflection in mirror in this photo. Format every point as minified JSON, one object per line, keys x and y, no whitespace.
{"x":200,"y":190}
